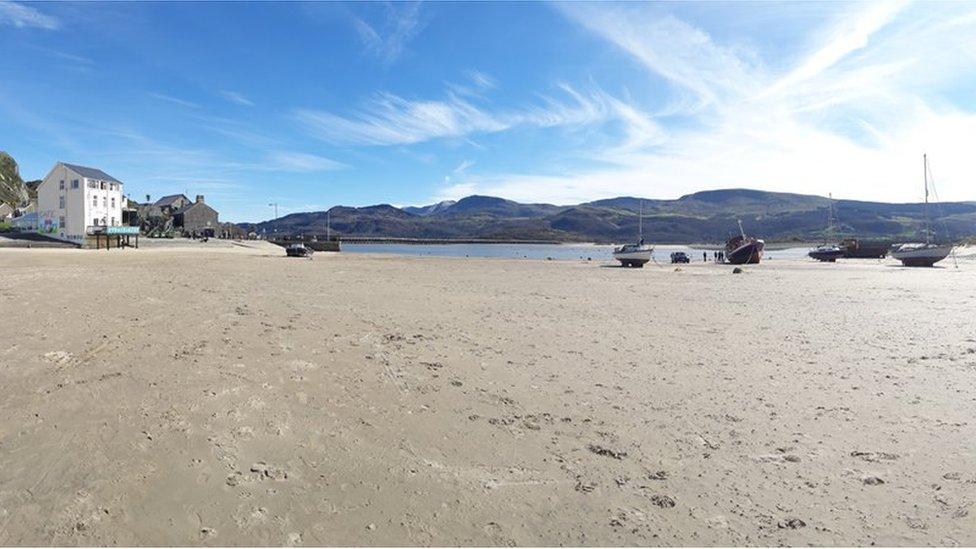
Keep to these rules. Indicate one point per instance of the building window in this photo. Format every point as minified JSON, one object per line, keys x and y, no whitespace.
{"x":61,"y":202}
{"x":102,"y":185}
{"x":113,"y":201}
{"x":113,"y":221}
{"x":94,"y":202}
{"x":104,"y":202}
{"x":62,"y":185}
{"x":61,"y":221}
{"x":95,"y":222}
{"x":74,"y":183}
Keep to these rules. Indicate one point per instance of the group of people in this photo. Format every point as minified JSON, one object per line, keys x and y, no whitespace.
{"x":717,"y":255}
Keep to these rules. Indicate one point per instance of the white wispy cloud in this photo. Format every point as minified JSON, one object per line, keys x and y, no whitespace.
{"x":302,"y":162}
{"x":668,"y":46}
{"x":174,"y":100}
{"x":482,"y":80}
{"x":851,"y":113}
{"x":851,"y":33}
{"x":388,"y":38}
{"x":74,"y":58}
{"x":463,"y":166}
{"x":236,"y":97}
{"x":391,"y":120}
{"x":21,"y":16}
{"x":476,"y":85}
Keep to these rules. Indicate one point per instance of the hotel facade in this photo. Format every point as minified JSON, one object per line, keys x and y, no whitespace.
{"x":76,"y":201}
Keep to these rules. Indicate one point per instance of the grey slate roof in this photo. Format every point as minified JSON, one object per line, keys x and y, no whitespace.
{"x":91,"y":173}
{"x":169,"y":199}
{"x":190,"y":206}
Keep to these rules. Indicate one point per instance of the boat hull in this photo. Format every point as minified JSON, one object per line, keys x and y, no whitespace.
{"x":865,"y":249}
{"x":748,"y":252}
{"x":921,"y":256}
{"x":633,"y":259}
{"x":830,"y":254}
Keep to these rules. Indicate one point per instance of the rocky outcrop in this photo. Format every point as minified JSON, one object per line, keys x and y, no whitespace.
{"x":12,"y":188}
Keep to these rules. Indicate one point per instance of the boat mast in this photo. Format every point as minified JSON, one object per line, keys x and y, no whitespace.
{"x":830,"y":218}
{"x":925,"y":176}
{"x":741,"y":230}
{"x":640,"y":222}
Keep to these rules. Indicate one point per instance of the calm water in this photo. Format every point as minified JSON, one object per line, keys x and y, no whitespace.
{"x":594,"y":252}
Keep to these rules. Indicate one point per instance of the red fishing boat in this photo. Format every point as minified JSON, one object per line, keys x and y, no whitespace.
{"x":742,"y":249}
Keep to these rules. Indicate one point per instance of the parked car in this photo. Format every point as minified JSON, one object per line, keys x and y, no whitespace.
{"x":298,"y":250}
{"x":680,"y":257}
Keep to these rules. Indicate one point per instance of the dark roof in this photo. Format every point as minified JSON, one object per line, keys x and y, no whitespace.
{"x":168,"y":200}
{"x":189,"y":207}
{"x":91,"y":173}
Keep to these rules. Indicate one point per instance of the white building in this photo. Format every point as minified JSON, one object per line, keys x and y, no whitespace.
{"x":75,"y":201}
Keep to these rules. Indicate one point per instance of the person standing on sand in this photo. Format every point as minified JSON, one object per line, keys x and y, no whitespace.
{"x":704,"y":257}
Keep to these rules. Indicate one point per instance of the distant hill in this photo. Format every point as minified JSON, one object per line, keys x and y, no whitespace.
{"x":433,"y":208}
{"x":708,"y":216}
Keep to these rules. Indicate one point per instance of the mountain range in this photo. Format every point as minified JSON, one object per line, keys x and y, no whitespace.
{"x":708,"y":216}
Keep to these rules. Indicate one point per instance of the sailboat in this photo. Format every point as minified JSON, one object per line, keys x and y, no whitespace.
{"x":635,"y":255}
{"x":742,"y":249}
{"x":828,"y":252}
{"x":922,"y":254}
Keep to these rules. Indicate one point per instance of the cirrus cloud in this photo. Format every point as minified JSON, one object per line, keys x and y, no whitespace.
{"x":21,"y":16}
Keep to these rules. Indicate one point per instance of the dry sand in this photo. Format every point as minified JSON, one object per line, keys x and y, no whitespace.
{"x":238,"y":397}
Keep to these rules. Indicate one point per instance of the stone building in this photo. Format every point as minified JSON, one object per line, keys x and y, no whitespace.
{"x":196,"y":219}
{"x":169,"y":205}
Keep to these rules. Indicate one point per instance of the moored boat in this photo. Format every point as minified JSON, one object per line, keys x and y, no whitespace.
{"x":742,"y":249}
{"x":828,"y":252}
{"x":637,"y":254}
{"x":922,"y":254}
{"x":633,"y":255}
{"x":865,"y":248}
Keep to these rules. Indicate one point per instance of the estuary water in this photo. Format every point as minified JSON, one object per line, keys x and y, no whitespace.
{"x":592,"y":252}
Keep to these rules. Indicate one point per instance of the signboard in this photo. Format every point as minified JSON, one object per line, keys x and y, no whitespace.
{"x":121,"y":230}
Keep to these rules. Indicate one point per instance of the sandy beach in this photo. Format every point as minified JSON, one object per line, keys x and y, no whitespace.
{"x":227,"y":395}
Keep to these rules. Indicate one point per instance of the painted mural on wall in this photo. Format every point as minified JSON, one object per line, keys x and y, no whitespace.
{"x":48,"y":222}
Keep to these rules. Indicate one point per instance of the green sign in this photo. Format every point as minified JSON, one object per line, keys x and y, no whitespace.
{"x":121,"y":230}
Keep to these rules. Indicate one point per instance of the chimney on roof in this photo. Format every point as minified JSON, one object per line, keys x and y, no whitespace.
{"x":199,"y":199}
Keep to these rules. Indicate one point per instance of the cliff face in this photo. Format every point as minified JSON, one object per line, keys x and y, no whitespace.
{"x":12,"y":188}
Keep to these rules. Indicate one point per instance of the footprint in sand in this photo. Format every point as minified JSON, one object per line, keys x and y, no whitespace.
{"x":269,"y":471}
{"x":58,"y":357}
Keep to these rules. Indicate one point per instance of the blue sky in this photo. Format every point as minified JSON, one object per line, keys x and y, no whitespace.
{"x":309,"y":105}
